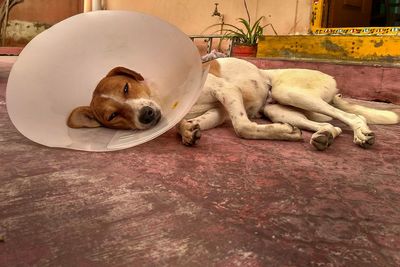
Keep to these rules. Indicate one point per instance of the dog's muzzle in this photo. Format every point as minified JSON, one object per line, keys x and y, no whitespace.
{"x":149,"y":115}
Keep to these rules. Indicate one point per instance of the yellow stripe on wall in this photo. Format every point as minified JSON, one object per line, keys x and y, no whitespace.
{"x":351,"y":47}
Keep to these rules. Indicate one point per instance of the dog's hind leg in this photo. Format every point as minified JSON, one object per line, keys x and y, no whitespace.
{"x":300,"y":98}
{"x":324,"y":133}
{"x":190,"y":130}
{"x":231,"y":98}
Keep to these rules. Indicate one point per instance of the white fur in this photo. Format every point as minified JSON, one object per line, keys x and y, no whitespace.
{"x":116,"y":99}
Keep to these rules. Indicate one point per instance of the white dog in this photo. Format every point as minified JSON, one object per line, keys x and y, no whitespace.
{"x":291,"y":98}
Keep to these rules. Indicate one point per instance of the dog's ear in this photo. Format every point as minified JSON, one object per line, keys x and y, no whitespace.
{"x":126,"y":72}
{"x":82,"y":117}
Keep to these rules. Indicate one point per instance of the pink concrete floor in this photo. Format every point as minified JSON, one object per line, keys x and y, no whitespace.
{"x":227,"y":202}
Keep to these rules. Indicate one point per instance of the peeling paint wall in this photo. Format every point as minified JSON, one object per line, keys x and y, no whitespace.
{"x":191,"y":16}
{"x":20,"y":33}
{"x":380,"y":49}
{"x":31,"y":17}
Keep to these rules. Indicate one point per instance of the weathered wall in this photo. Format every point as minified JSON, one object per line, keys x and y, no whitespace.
{"x":19,"y":33}
{"x":191,"y":16}
{"x":46,"y":11}
{"x":194,"y":16}
{"x":31,"y":17}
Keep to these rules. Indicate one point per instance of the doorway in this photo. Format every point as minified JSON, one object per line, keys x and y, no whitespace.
{"x":361,"y":13}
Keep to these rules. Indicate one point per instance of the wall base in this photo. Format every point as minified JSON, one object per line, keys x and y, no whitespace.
{"x":376,"y":83}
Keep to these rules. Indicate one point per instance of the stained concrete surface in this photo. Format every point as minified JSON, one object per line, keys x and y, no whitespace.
{"x":226,"y":202}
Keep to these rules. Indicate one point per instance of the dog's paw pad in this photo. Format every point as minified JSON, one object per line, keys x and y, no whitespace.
{"x":191,"y":134}
{"x":367,"y":140}
{"x":322,"y":140}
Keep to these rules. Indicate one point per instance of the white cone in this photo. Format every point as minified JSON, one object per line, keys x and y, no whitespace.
{"x":59,"y":69}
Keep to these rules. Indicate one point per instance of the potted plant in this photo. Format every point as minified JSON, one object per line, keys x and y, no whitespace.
{"x":245,"y":36}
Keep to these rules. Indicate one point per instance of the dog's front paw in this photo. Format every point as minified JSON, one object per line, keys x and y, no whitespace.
{"x":364,"y":139}
{"x":363,"y":136}
{"x":321,"y":140}
{"x":190,"y":133}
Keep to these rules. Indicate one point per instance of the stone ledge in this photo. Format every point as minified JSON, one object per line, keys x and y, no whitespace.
{"x":364,"y":82}
{"x":10,"y":51}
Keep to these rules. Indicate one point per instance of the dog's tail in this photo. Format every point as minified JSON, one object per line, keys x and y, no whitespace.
{"x":373,"y":116}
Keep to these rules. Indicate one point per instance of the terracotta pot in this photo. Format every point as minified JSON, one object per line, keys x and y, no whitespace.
{"x":244,"y":50}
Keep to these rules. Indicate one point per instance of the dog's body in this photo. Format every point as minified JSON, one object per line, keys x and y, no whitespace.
{"x":238,"y":90}
{"x":235,"y":89}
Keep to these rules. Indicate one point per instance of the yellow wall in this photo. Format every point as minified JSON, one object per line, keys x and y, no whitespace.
{"x":379,"y":49}
{"x":194,"y":16}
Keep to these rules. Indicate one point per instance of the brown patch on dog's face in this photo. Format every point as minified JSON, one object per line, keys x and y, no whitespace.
{"x":121,"y":100}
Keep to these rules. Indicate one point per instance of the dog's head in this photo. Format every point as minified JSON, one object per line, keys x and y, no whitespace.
{"x":121,"y":100}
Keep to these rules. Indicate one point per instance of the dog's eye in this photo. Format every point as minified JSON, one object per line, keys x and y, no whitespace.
{"x":112,"y":116}
{"x":126,"y":88}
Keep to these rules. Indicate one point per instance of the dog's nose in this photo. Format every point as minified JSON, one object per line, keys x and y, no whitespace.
{"x":148,"y":114}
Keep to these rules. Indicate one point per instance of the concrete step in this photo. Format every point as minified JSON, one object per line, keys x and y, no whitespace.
{"x":10,"y":51}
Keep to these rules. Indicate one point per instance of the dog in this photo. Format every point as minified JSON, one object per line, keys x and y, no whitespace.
{"x":121,"y":100}
{"x":236,"y":90}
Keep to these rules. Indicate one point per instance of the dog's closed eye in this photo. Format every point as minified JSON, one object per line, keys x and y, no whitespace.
{"x":126,"y":89}
{"x":112,"y":116}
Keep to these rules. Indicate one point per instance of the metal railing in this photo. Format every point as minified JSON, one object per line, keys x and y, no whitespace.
{"x":210,"y":39}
